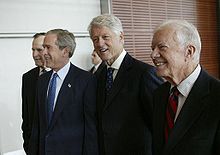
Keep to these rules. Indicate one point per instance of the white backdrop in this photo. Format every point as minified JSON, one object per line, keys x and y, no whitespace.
{"x":20,"y":19}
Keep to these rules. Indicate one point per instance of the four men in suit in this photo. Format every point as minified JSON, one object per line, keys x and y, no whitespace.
{"x":176,"y":48}
{"x":124,"y":113}
{"x":29,"y":83}
{"x":125,"y":109}
{"x":71,"y":127}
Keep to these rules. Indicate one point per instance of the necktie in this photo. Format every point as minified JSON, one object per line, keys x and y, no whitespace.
{"x":93,"y":70}
{"x":43,"y":71}
{"x":171,"y":111}
{"x":51,"y":96}
{"x":109,"y":79}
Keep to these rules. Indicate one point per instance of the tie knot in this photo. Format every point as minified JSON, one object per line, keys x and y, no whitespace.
{"x":175,"y":91}
{"x":55,"y":75}
{"x":110,"y":70}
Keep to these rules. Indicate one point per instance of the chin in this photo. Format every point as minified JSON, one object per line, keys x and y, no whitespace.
{"x":161,"y":73}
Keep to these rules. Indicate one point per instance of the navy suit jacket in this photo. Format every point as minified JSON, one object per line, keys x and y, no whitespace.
{"x":29,"y":84}
{"x":125,"y":115}
{"x":72,"y":130}
{"x":197,"y":128}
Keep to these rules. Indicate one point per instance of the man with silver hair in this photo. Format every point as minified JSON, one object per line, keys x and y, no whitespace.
{"x":124,"y":93}
{"x":65,"y":117}
{"x":186,"y":107}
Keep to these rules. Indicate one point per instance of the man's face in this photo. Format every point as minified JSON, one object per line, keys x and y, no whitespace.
{"x":169,"y":55}
{"x":37,"y":51}
{"x":55,"y":58}
{"x":107,"y":44}
{"x":95,"y":58}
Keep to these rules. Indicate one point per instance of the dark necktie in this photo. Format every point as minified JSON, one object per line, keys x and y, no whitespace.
{"x":109,"y":79}
{"x":171,"y":111}
{"x":93,"y":70}
{"x":51,"y":96}
{"x":43,"y":71}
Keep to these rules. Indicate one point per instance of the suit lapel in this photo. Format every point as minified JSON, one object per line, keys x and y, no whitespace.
{"x":121,"y":77}
{"x":190,"y":111}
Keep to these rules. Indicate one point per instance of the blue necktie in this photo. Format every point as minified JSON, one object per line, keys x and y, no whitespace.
{"x":51,"y":96}
{"x":109,"y":80}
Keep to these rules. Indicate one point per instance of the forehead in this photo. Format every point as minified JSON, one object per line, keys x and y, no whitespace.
{"x":100,"y":30}
{"x":39,"y":40}
{"x":164,"y":35}
{"x":50,"y":39}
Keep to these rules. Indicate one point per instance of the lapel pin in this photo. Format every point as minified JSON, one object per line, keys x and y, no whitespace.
{"x":69,"y":85}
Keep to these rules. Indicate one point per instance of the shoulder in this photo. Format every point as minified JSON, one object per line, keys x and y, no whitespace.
{"x":140,"y":65}
{"x":80,"y":72}
{"x":214,"y":83}
{"x":32,"y":72}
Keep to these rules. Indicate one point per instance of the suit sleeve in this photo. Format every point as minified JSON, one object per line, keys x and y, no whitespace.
{"x":34,"y":138}
{"x":26,"y":131}
{"x":90,"y":135}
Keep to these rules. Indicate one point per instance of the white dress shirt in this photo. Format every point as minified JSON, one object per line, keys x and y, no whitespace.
{"x":59,"y":80}
{"x":185,"y":87}
{"x":117,"y":63}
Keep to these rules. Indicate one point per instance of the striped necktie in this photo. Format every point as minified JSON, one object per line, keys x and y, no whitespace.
{"x":171,"y":111}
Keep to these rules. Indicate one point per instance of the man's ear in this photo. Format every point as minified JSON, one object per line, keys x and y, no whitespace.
{"x":122,"y":37}
{"x":190,"y":51}
{"x":66,"y":51}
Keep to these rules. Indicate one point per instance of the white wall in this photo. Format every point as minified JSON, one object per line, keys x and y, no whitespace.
{"x":20,"y":19}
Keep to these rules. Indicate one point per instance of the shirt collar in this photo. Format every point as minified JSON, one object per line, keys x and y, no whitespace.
{"x":186,"y":85}
{"x":63,"y":71}
{"x":117,"y":63}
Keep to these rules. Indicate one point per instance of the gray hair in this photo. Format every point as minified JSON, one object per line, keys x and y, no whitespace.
{"x":64,"y":39}
{"x":36,"y":35}
{"x":186,"y":32}
{"x":107,"y":20}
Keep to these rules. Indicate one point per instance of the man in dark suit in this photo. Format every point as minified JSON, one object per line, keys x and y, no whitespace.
{"x":65,"y":121}
{"x":29,"y":82}
{"x":188,"y":123}
{"x":97,"y":62}
{"x":124,"y":108}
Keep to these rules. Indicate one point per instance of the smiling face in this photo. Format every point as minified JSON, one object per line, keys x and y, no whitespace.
{"x":171,"y":57}
{"x":55,"y":57}
{"x":107,"y":44}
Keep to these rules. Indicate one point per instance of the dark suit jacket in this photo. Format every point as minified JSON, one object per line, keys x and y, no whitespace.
{"x":197,"y":128}
{"x":99,"y":69}
{"x":72,"y":130}
{"x":29,"y":83}
{"x":125,"y":115}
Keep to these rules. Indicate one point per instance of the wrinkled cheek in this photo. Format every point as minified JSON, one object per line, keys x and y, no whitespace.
{"x":162,"y":71}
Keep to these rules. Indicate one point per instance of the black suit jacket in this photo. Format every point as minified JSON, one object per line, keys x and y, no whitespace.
{"x":125,"y":115}
{"x":197,"y":128}
{"x":72,"y":130}
{"x":99,"y":69}
{"x":29,"y":83}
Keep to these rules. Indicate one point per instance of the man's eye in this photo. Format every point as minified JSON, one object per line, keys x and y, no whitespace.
{"x":106,"y":37}
{"x":94,"y":39}
{"x":162,"y":47}
{"x":39,"y":50}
